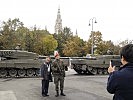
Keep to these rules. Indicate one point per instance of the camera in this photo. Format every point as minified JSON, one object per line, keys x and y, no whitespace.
{"x":116,"y":63}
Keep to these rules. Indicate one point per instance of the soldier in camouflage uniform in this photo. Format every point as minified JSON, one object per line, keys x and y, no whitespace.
{"x":58,"y":70}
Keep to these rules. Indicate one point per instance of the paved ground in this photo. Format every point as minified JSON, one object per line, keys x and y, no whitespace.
{"x":77,"y":87}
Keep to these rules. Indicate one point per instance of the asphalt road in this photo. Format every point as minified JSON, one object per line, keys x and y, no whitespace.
{"x":77,"y":87}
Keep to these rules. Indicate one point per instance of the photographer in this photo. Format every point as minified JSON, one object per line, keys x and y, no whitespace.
{"x":120,"y":83}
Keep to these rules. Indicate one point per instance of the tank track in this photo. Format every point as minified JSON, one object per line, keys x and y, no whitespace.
{"x":19,"y":73}
{"x":89,"y":70}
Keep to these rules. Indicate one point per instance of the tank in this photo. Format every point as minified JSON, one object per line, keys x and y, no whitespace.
{"x":93,"y":65}
{"x":17,"y":63}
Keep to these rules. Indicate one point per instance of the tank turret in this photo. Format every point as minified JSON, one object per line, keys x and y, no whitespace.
{"x":17,"y":54}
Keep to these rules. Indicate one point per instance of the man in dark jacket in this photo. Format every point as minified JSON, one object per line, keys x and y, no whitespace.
{"x":46,"y":76}
{"x":120,"y":83}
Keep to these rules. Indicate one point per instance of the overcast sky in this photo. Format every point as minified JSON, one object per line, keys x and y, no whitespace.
{"x":114,"y":17}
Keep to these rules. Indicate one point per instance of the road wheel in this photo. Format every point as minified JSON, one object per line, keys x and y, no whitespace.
{"x":89,"y":68}
{"x":12,"y":72}
{"x":3,"y":72}
{"x":37,"y":72}
{"x":30,"y":72}
{"x":21,"y":72}
{"x":94,"y":71}
{"x":105,"y":71}
{"x":100,"y":71}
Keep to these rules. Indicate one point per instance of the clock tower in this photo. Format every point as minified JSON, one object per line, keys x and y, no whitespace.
{"x":58,"y":23}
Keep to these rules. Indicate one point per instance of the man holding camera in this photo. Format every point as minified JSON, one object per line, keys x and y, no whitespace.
{"x":120,"y":83}
{"x":58,"y":70}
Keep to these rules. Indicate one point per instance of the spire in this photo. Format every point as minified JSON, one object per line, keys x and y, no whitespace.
{"x":58,"y":10}
{"x":76,"y":33}
{"x":58,"y":24}
{"x":45,"y":27}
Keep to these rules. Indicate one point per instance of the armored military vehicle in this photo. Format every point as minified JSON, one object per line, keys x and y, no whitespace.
{"x":18,"y":63}
{"x":93,"y":65}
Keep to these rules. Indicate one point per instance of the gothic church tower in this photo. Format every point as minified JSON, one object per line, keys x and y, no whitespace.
{"x":58,"y":24}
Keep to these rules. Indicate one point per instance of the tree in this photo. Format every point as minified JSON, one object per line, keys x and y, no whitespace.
{"x":1,"y":42}
{"x":73,"y":47}
{"x":97,"y":38}
{"x":21,"y":36}
{"x":47,"y":45}
{"x":125,"y":42}
{"x":62,"y":38}
{"x":87,"y":48}
{"x":29,"y":41}
{"x":117,"y":49}
{"x":8,"y":30}
{"x":104,"y":46}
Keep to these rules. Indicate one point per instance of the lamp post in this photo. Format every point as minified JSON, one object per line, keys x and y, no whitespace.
{"x":92,"y":20}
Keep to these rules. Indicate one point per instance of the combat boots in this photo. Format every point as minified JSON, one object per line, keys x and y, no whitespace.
{"x":57,"y":94}
{"x":62,"y":93}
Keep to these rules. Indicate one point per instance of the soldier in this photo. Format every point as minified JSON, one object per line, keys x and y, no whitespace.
{"x":58,"y":70}
{"x":46,"y":76}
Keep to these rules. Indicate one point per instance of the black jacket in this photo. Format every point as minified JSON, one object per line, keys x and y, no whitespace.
{"x":120,"y":83}
{"x":44,"y":72}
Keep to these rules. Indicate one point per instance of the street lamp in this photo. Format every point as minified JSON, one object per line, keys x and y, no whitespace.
{"x":93,"y":20}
